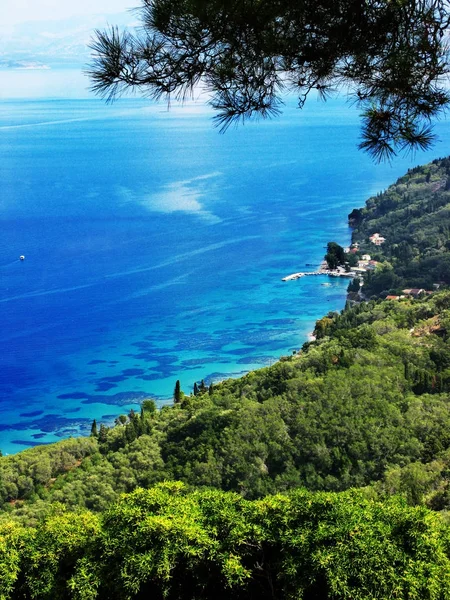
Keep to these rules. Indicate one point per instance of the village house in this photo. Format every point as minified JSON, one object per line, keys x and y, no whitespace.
{"x":358,"y":270}
{"x":372,"y":265}
{"x":366,"y":264}
{"x":377,"y":239}
{"x":414,"y":292}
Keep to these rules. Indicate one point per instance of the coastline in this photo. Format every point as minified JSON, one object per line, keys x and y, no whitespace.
{"x":177,"y":307}
{"x":57,"y":427}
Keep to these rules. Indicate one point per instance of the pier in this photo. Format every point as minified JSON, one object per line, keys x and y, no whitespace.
{"x":319,"y":272}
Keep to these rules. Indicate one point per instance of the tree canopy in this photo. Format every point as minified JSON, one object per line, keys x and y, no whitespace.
{"x":391,"y":56}
{"x":169,"y":543}
{"x":413,"y":215}
{"x":262,"y":506}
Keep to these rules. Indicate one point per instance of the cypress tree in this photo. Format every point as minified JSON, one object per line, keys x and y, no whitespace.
{"x":177,"y":392}
{"x":195,"y":389}
{"x":94,"y":429}
{"x":102,"y":434}
{"x":130,"y":432}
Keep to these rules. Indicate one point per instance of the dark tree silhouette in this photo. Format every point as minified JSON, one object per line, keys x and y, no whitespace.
{"x":390,"y":56}
{"x":177,"y":392}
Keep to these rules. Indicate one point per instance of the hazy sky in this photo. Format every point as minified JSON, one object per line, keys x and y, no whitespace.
{"x":17,"y":11}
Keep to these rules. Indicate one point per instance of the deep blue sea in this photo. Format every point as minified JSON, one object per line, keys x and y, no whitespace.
{"x":155,"y":246}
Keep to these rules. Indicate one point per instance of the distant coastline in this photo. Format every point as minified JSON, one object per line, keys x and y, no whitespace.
{"x":24,"y":65}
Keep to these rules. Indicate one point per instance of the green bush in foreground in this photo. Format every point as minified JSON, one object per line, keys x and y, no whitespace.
{"x":167,"y":542}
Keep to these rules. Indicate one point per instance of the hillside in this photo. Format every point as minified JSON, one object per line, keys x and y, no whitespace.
{"x":267,"y":467}
{"x":56,"y":43}
{"x":369,"y":395}
{"x":413,"y":216}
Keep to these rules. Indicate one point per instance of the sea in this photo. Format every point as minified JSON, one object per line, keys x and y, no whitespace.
{"x":155,"y":246}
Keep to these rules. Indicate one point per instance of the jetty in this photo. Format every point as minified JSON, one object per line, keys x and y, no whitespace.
{"x":321,"y":271}
{"x":298,"y":275}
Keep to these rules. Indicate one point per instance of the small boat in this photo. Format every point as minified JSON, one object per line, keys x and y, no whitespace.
{"x":21,"y":257}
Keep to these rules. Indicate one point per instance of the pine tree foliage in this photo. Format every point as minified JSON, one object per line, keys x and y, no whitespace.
{"x":391,"y":56}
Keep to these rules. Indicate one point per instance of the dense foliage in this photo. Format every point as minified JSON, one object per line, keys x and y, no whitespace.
{"x":335,"y":255}
{"x":168,"y":543}
{"x":370,"y":395}
{"x":269,"y":463}
{"x":414,"y":217}
{"x":391,"y":55}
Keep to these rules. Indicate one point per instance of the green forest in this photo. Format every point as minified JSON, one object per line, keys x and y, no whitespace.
{"x":413,"y":216}
{"x":324,"y":476}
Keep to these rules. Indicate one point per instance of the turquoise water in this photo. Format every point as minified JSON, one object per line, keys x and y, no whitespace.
{"x":155,"y":247}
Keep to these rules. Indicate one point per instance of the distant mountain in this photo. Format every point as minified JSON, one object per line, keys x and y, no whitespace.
{"x":40,"y":44}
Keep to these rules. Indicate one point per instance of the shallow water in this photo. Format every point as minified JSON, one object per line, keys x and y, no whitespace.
{"x":155,"y":249}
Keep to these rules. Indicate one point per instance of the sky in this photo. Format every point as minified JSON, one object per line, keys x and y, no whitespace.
{"x":18,"y":11}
